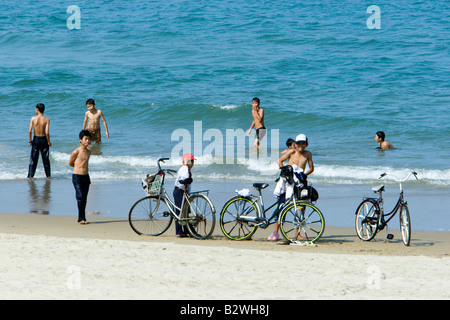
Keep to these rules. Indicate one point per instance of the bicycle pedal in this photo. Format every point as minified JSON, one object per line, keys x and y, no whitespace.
{"x":390,"y":236}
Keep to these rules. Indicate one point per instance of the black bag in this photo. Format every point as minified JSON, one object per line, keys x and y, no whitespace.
{"x":313,"y":194}
{"x":288,"y":173}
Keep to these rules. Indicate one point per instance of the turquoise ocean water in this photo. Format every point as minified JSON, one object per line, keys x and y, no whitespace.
{"x":158,"y":68}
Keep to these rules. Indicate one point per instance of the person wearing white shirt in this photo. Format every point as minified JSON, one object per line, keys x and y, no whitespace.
{"x":182,"y":185}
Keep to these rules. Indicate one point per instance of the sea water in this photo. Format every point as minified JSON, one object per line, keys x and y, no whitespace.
{"x":160,"y":68}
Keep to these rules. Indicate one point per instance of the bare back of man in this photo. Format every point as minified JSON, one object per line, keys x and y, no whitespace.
{"x":40,"y":125}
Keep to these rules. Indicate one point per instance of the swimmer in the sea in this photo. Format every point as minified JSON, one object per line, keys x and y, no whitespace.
{"x":384,"y":145}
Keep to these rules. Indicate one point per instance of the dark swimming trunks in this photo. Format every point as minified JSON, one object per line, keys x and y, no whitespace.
{"x":260,"y":133}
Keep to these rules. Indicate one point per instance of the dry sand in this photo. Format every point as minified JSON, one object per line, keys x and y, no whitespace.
{"x":52,"y":257}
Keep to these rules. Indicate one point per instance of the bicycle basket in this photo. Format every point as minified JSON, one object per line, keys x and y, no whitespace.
{"x":152,"y":184}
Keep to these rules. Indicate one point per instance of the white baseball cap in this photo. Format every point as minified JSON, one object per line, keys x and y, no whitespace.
{"x":301,"y":138}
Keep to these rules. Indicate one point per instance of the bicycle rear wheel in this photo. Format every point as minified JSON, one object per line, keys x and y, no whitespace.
{"x":238,"y":218}
{"x":202,"y":216}
{"x":405,"y":224}
{"x":366,"y":221}
{"x":305,"y":222}
{"x":150,"y":216}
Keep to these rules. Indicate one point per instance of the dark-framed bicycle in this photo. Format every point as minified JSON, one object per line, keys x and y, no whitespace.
{"x":371,"y":218}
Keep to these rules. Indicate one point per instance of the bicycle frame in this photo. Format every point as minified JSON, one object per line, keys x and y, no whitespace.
{"x":164,"y":195}
{"x":263,"y":221}
{"x":378,"y":202}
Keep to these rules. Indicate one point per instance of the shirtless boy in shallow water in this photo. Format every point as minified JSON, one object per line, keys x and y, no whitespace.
{"x":94,"y":115}
{"x":258,"y":122}
{"x":40,"y":142}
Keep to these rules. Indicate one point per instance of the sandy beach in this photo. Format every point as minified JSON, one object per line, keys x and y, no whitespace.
{"x":52,"y":257}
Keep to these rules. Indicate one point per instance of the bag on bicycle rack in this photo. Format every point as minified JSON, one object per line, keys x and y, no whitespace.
{"x":307,"y":193}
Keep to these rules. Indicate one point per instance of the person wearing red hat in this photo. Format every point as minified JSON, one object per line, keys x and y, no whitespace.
{"x":182,"y":185}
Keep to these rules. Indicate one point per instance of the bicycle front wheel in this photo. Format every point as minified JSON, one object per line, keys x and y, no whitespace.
{"x":304,"y":222}
{"x":238,"y":218}
{"x":405,"y":225}
{"x":150,"y":216}
{"x":202,"y":216}
{"x":366,"y":221}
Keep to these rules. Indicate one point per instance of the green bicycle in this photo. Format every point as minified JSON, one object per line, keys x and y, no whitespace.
{"x":299,"y":218}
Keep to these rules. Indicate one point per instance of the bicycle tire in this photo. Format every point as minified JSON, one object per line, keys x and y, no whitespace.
{"x":202,"y":216}
{"x":366,"y":220}
{"x":405,"y":225}
{"x":232,"y":226}
{"x":305,"y":222}
{"x":150,"y":216}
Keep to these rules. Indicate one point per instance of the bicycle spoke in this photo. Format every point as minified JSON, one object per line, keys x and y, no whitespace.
{"x":366,"y":221}
{"x":202,"y":216}
{"x":302,"y":222}
{"x":231,"y":223}
{"x":150,"y":216}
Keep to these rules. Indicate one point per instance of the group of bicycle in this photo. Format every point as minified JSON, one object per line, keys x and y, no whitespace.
{"x":299,"y":220}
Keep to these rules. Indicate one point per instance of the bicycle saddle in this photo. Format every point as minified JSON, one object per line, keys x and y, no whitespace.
{"x":378,"y":189}
{"x":260,"y":186}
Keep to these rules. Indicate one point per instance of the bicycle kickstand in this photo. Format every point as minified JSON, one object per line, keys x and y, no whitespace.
{"x":389,"y":236}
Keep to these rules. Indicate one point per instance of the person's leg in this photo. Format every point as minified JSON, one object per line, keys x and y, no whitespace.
{"x":34,"y":156}
{"x":275,"y":236}
{"x":45,"y":153}
{"x":81,"y":185}
{"x":178,"y":199}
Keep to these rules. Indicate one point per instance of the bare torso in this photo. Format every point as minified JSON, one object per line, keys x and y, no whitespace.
{"x":79,"y":160}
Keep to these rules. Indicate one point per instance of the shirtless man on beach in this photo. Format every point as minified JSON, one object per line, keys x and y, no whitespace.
{"x":41,"y":141}
{"x":299,"y":155}
{"x":258,"y":122}
{"x":79,"y":160}
{"x":94,"y":115}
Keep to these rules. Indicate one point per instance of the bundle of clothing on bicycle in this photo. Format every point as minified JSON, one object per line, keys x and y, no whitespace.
{"x":293,"y":181}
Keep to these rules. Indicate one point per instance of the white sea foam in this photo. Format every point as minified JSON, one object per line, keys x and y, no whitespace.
{"x":208,"y":167}
{"x":226,"y":107}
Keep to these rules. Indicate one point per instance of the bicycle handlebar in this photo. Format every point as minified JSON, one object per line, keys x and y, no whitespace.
{"x":407,"y":177}
{"x":161,"y":160}
{"x":165,"y":170}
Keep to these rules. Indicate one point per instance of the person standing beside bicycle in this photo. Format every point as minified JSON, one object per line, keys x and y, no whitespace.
{"x":297,"y":157}
{"x":182,"y":185}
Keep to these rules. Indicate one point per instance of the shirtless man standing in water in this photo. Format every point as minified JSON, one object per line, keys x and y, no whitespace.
{"x":258,"y":122}
{"x":41,"y":141}
{"x":94,"y":115}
